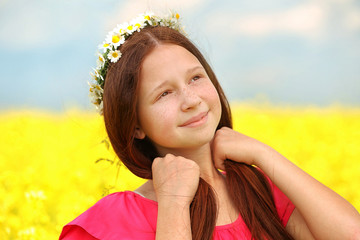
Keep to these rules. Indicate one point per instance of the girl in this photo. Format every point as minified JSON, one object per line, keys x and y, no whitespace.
{"x":168,"y":120}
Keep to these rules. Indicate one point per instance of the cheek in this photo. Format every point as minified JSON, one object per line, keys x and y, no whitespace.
{"x":155,"y":121}
{"x":213,"y":101}
{"x":211,"y":95}
{"x":163,"y":118}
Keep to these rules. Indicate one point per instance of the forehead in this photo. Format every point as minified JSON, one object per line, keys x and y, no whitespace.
{"x":166,"y":59}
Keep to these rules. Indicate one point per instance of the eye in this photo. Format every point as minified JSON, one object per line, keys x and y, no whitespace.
{"x":164,"y":94}
{"x":195,"y":79}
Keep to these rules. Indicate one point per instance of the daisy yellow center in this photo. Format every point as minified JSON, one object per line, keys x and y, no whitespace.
{"x":130,"y":27}
{"x":121,"y":31}
{"x":147,"y":17}
{"x":97,"y":87}
{"x":91,"y":90}
{"x":115,"y":39}
{"x":137,"y":25}
{"x":114,"y":54}
{"x":101,"y":59}
{"x":105,"y":45}
{"x":177,"y":16}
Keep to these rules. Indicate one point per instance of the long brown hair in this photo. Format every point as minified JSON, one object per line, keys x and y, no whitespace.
{"x":249,"y":188}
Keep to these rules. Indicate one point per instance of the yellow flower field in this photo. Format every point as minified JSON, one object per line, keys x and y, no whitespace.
{"x":49,"y":173}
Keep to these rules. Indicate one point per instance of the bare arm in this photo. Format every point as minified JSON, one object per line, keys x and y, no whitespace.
{"x":173,"y":221}
{"x":326,"y":214}
{"x":175,"y":180}
{"x":297,"y":227}
{"x":320,"y":212}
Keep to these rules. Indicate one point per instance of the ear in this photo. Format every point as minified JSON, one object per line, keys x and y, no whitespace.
{"x":139,"y":133}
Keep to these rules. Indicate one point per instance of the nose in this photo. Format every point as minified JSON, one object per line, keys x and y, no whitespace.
{"x":190,"y":99}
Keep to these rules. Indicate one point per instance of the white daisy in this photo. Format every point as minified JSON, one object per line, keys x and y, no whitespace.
{"x":93,"y":75}
{"x":95,"y":93}
{"x":120,"y":29}
{"x":100,"y":61}
{"x":137,"y":26}
{"x":164,"y":24}
{"x":115,"y":39}
{"x":129,"y":28}
{"x":138,"y":23}
{"x":104,"y":46}
{"x":96,"y":75}
{"x":147,"y":17}
{"x":114,"y":56}
{"x":109,"y":48}
{"x":95,"y":89}
{"x":101,"y":107}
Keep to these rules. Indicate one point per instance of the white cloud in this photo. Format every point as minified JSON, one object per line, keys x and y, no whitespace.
{"x":126,"y":11}
{"x":307,"y":20}
{"x":39,"y":24}
{"x":42,"y":23}
{"x":352,"y":20}
{"x":23,"y":28}
{"x":265,"y":75}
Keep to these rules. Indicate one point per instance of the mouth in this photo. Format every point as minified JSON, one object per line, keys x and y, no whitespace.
{"x":196,"y":120}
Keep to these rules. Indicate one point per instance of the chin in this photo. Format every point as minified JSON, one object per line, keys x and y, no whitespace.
{"x":203,"y":139}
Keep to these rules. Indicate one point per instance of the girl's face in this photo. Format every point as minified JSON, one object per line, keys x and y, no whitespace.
{"x":178,"y":106}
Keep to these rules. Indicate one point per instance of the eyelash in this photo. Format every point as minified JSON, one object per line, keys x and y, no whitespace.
{"x":162,"y":95}
{"x":197,"y":78}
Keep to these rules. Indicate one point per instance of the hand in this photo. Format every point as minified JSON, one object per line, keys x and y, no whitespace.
{"x":175,"y":179}
{"x":229,"y":144}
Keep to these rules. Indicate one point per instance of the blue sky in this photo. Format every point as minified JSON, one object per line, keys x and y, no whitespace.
{"x":289,"y":52}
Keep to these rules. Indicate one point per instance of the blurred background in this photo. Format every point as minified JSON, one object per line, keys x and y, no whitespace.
{"x":303,"y":52}
{"x":289,"y":68}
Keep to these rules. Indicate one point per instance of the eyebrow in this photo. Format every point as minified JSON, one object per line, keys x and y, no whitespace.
{"x":191,"y":70}
{"x":188,"y":72}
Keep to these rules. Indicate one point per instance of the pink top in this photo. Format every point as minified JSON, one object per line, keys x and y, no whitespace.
{"x":127,"y":215}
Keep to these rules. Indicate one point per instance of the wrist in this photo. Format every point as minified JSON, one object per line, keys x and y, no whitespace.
{"x":263,"y":158}
{"x":174,"y":202}
{"x":173,"y":221}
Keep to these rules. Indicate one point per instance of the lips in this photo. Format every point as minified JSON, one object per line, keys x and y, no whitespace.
{"x":196,"y":120}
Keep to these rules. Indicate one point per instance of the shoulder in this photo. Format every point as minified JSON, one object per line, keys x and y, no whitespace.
{"x":122,"y":215}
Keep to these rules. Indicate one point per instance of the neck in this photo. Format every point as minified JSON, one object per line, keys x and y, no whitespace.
{"x":203,"y":157}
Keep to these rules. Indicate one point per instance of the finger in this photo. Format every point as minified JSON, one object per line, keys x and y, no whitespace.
{"x":219,"y":164}
{"x":216,"y":150}
{"x":169,"y":155}
{"x":218,"y":157}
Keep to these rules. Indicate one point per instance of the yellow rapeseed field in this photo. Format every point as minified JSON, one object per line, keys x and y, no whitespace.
{"x":49,"y":173}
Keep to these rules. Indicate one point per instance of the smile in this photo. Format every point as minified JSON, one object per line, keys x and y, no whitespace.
{"x":196,"y":121}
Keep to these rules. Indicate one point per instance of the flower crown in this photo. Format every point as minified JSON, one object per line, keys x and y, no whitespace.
{"x":110,"y":48}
